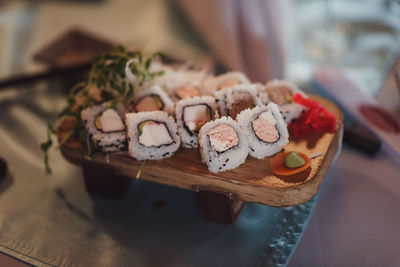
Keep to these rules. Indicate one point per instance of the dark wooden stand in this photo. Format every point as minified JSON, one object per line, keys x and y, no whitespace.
{"x":219,"y":207}
{"x":105,"y":182}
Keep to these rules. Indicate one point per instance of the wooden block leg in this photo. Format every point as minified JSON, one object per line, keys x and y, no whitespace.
{"x":219,"y":207}
{"x":105,"y":182}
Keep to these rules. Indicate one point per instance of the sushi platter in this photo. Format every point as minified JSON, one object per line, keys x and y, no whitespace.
{"x":251,"y":182}
{"x":230,"y":140}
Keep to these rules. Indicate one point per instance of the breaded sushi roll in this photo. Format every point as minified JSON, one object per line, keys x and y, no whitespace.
{"x":223,"y":81}
{"x":223,"y":146}
{"x":152,"y":99}
{"x":151,"y":135}
{"x":265,"y":130}
{"x":191,"y":115}
{"x":281,"y":92}
{"x":232,"y":100}
{"x":105,"y":126}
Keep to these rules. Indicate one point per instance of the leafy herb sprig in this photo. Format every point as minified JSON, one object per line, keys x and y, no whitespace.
{"x":107,"y":82}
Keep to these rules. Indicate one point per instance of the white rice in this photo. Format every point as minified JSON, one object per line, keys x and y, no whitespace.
{"x":229,"y":159}
{"x":190,"y":139}
{"x":291,"y":111}
{"x":141,"y":152}
{"x":105,"y":142}
{"x":258,"y":148}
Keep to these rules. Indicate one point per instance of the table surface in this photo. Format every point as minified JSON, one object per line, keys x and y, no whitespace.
{"x":355,"y":220}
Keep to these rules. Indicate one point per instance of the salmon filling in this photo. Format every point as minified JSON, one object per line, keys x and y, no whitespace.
{"x":223,"y":137}
{"x":152,"y":133}
{"x":280,"y":95}
{"x":149,"y":103}
{"x":187,"y":91}
{"x":240,"y":101}
{"x":228,"y":83}
{"x":109,"y":121}
{"x":196,"y":116}
{"x":264,"y":127}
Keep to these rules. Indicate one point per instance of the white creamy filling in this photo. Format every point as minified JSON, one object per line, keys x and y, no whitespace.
{"x":155,"y":134}
{"x":110,"y":121}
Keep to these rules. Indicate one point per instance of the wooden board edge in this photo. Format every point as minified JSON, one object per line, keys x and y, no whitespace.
{"x":278,"y":197}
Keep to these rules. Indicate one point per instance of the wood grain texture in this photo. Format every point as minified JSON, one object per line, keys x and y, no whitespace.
{"x":253,"y":181}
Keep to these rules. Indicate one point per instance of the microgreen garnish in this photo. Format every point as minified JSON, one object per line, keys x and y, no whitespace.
{"x":107,"y":82}
{"x":46,"y":146}
{"x":140,"y":170}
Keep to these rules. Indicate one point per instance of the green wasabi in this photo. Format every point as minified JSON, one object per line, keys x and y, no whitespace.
{"x":294,"y":160}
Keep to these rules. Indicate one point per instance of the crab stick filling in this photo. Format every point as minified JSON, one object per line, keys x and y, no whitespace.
{"x":264,"y":127}
{"x":152,"y":133}
{"x":149,"y":103}
{"x":109,"y":121}
{"x":223,"y":137}
{"x":196,"y":116}
{"x":187,"y":91}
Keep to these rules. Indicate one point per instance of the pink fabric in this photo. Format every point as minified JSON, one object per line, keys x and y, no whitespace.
{"x":251,"y":36}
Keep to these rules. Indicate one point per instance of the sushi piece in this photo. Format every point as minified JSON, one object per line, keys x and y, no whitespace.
{"x":224,"y":81}
{"x":152,"y":99}
{"x":105,"y":127}
{"x":223,"y":146}
{"x":187,"y":91}
{"x":232,"y":100}
{"x":175,"y":78}
{"x":281,"y":92}
{"x":265,"y":130}
{"x":151,"y":135}
{"x":191,"y":115}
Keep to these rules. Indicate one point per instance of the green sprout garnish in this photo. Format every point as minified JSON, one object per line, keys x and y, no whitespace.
{"x":107,"y":82}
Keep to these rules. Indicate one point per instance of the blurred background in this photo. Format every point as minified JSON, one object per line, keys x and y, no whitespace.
{"x":266,"y":40}
{"x":46,"y":46}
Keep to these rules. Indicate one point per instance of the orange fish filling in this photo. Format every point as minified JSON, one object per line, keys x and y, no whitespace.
{"x":280,"y":95}
{"x":187,"y":91}
{"x":149,"y":103}
{"x":228,"y":83}
{"x":223,"y":137}
{"x":264,"y":130}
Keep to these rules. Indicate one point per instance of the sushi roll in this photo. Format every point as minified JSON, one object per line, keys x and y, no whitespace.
{"x":223,"y":146}
{"x":265,"y":130}
{"x":151,"y":99}
{"x":281,"y":92}
{"x":232,"y":100}
{"x":223,"y":81}
{"x":151,"y":135}
{"x":105,"y":127}
{"x":188,"y":91}
{"x":175,"y":78}
{"x":191,"y":115}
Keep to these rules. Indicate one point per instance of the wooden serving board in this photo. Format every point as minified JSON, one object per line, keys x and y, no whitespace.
{"x":253,"y":181}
